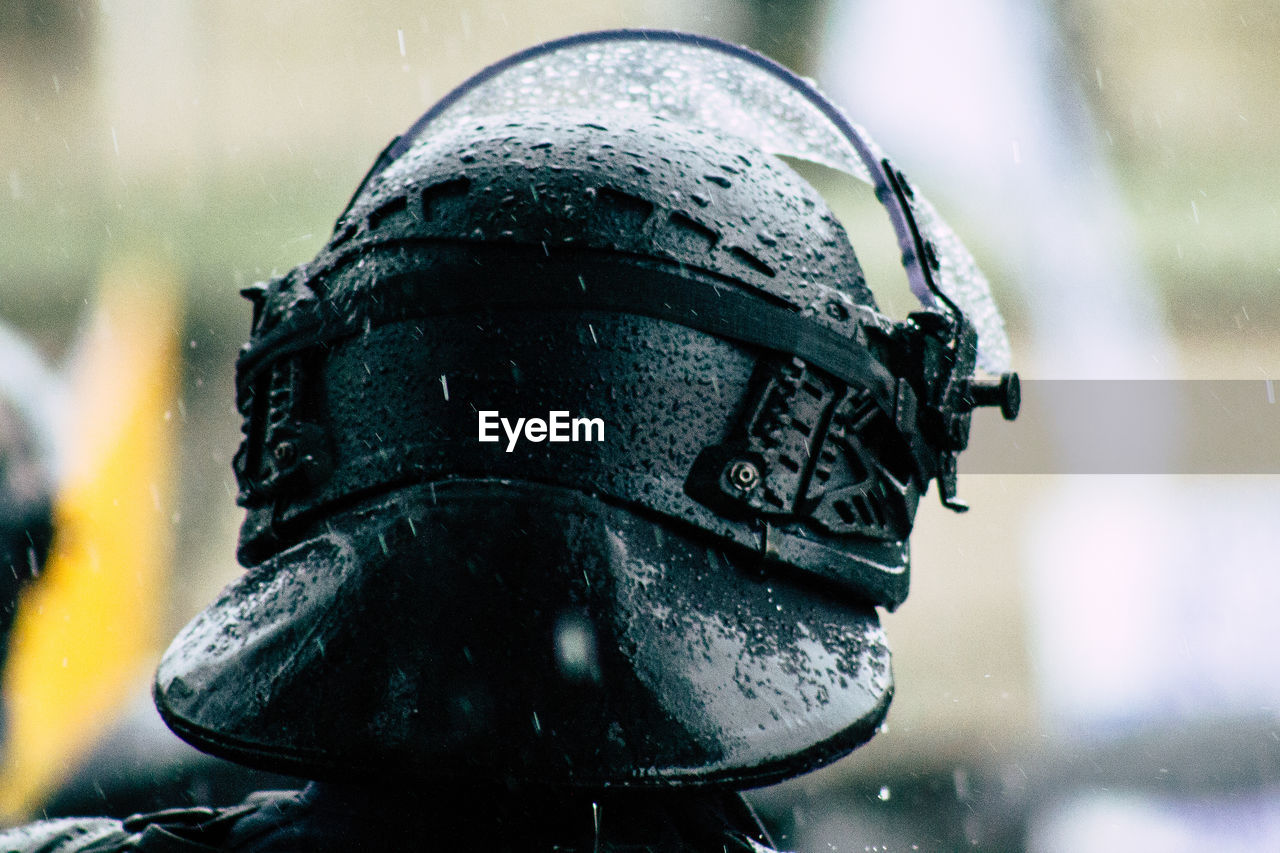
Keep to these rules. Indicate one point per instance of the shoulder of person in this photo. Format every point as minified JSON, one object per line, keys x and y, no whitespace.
{"x":181,"y":830}
{"x":65,"y":835}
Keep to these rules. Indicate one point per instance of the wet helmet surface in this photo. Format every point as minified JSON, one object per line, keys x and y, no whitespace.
{"x":674,"y":579}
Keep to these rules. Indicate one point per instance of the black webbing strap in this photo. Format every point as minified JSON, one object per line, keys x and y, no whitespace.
{"x":514,"y":278}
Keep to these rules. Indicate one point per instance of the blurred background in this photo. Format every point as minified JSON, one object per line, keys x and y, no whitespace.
{"x":1088,"y":657}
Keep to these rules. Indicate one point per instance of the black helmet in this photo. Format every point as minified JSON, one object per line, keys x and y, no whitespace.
{"x":581,"y":454}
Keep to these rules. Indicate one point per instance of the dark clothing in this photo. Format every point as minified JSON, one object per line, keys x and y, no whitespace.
{"x":324,"y":818}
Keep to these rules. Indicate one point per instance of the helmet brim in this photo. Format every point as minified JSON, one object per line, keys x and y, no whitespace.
{"x":491,"y":629}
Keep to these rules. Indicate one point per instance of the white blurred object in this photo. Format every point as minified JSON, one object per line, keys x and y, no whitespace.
{"x":974,"y":99}
{"x":1122,"y":823}
{"x":1151,"y":599}
{"x":39,"y":394}
{"x":1155,"y":601}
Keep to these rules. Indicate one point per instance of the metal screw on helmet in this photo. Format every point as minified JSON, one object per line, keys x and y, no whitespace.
{"x":743,"y":475}
{"x":1004,"y":391}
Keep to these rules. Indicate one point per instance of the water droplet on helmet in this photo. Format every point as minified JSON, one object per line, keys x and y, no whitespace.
{"x":576,"y":648}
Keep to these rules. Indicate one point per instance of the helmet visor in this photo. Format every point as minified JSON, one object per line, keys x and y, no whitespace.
{"x":703,"y":82}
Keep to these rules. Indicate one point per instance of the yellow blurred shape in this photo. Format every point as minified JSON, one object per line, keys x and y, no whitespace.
{"x":86,"y":632}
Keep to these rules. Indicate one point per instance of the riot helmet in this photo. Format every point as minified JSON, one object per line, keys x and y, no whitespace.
{"x":581,"y":454}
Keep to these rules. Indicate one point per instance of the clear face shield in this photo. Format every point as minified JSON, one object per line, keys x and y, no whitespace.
{"x":707,"y":83}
